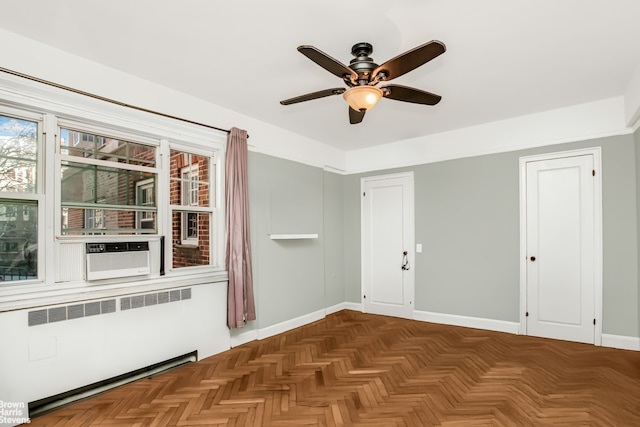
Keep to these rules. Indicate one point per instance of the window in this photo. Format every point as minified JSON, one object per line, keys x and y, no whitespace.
{"x":87,"y":140}
{"x":19,"y":200}
{"x":101,"y":178}
{"x":145,"y":195}
{"x":66,"y":182}
{"x":94,"y":219}
{"x":190,"y":190}
{"x":189,"y":198}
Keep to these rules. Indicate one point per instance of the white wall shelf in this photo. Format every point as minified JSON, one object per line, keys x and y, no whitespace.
{"x":292,"y":236}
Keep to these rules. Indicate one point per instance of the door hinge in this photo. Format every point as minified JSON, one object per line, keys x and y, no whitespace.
{"x":594,"y":321}
{"x":593,"y":172}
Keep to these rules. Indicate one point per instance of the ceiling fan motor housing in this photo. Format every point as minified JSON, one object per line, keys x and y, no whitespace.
{"x":362,"y":64}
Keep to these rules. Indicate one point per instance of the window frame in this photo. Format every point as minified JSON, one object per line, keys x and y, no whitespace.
{"x":217,"y":235}
{"x":38,"y":196}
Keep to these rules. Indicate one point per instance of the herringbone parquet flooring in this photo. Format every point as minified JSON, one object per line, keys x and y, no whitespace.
{"x":355,"y":369}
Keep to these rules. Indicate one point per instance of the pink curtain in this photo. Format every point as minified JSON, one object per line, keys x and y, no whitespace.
{"x":241,"y":304}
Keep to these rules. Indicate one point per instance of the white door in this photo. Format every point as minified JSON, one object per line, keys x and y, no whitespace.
{"x":561,"y":248}
{"x":387,"y":243}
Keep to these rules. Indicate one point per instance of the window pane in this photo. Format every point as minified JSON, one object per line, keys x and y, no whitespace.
{"x":146,"y":197}
{"x":90,"y":146}
{"x":189,"y":179}
{"x":99,"y":200}
{"x":82,"y":183}
{"x":82,"y":221}
{"x":191,"y":226}
{"x":18,"y":240}
{"x":18,"y":155}
{"x":191,"y":239}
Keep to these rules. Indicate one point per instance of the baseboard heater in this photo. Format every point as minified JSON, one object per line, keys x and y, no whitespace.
{"x":48,"y":404}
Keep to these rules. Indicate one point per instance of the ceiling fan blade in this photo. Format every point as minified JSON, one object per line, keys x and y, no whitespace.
{"x":410,"y":60}
{"x":355,"y":116}
{"x":314,"y":95}
{"x":328,"y":63}
{"x":409,"y":94}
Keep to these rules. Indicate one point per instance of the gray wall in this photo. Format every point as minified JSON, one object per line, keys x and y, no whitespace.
{"x":333,"y":239}
{"x":620,"y":236}
{"x":289,"y":275}
{"x":467,"y":218}
{"x":351,"y":221}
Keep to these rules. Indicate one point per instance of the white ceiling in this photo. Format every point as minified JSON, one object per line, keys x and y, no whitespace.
{"x":505,"y":58}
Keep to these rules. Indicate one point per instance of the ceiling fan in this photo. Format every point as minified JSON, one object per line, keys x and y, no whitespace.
{"x":362,"y":75}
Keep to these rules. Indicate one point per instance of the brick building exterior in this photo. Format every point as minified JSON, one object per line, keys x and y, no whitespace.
{"x":190,"y":251}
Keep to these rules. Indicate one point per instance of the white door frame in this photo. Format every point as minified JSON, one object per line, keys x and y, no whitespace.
{"x":597,"y":199}
{"x":409,"y":275}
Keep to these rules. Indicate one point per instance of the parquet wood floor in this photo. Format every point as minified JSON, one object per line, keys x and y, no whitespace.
{"x":355,"y":369}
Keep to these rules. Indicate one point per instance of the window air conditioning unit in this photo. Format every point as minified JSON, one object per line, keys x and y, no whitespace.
{"x":122,"y":259}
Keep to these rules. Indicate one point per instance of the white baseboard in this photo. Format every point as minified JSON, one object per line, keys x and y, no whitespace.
{"x":620,"y":341}
{"x":335,"y":308}
{"x":259,"y":334}
{"x":469,"y":322}
{"x":425,"y":316}
{"x":356,"y":306}
{"x":243,"y":337}
{"x":608,"y":340}
{"x":287,"y":325}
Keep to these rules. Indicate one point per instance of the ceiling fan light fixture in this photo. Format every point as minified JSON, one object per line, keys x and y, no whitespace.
{"x":362,"y":97}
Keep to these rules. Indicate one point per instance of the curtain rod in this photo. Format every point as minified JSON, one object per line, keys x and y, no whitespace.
{"x":112,"y":101}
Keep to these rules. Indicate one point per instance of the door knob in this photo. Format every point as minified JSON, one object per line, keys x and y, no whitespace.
{"x":532,"y":258}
